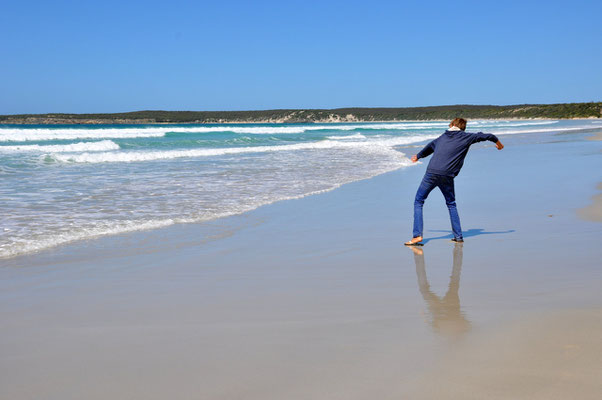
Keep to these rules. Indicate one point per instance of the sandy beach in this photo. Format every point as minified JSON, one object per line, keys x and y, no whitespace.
{"x":317,"y":298}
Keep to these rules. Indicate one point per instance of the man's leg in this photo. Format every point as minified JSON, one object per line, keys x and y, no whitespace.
{"x":446,"y":184}
{"x":426,"y":186}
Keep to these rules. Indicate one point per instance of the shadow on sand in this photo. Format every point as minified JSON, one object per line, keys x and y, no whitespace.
{"x":466,"y":234}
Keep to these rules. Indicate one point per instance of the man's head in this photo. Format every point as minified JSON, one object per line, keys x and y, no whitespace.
{"x":458,"y":122}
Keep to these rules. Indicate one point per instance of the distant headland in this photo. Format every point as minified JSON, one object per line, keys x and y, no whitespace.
{"x":555,"y":111}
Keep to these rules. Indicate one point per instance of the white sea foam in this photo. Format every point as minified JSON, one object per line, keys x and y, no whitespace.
{"x":103,"y":145}
{"x":348,"y":137}
{"x":134,"y":156}
{"x":516,"y":131}
{"x":40,"y":134}
{"x":306,"y":128}
{"x":103,"y":228}
{"x":509,"y":123}
{"x":106,"y":228}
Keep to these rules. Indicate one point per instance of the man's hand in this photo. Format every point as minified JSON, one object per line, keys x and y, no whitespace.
{"x":415,"y":158}
{"x":499,"y":145}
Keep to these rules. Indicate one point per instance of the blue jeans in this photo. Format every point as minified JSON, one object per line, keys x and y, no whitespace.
{"x":446,"y":185}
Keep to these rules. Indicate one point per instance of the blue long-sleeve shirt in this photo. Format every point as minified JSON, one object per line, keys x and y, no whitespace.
{"x":450,"y":149}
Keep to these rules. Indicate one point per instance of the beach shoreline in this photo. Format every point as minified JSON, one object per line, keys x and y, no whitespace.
{"x":318,"y":295}
{"x":269,"y":121}
{"x":177,"y":219}
{"x":590,"y":212}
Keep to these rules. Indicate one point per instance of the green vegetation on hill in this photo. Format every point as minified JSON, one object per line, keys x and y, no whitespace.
{"x":567,"y":110}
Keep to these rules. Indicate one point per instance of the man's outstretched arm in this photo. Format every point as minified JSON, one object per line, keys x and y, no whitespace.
{"x":427,"y":151}
{"x":481,"y":137}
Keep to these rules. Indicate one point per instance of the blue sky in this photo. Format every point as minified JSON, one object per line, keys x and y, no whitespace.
{"x":114,"y":56}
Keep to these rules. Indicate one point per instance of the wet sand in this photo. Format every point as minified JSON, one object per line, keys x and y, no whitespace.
{"x":556,"y":355}
{"x":596,"y":136}
{"x":318,"y":298}
{"x":593,"y":212}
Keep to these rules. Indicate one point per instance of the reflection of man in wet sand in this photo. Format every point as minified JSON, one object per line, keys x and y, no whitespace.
{"x":446,"y":316}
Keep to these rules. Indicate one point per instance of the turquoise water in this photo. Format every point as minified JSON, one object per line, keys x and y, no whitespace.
{"x":66,"y":183}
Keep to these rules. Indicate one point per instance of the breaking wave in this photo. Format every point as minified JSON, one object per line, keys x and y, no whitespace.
{"x":348,"y":137}
{"x":134,"y":156}
{"x":516,"y":131}
{"x":40,"y":134}
{"x":34,"y":135}
{"x":103,"y":145}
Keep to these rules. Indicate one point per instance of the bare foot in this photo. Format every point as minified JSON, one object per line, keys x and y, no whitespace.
{"x":414,"y":241}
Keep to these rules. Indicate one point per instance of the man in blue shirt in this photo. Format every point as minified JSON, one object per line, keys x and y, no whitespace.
{"x":449,"y":151}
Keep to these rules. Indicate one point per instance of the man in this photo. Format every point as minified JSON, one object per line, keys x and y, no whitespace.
{"x":449,"y":151}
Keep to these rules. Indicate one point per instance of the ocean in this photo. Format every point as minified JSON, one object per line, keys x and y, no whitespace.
{"x":66,"y":183}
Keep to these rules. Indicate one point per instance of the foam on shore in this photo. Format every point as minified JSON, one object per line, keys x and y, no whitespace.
{"x":136,"y":156}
